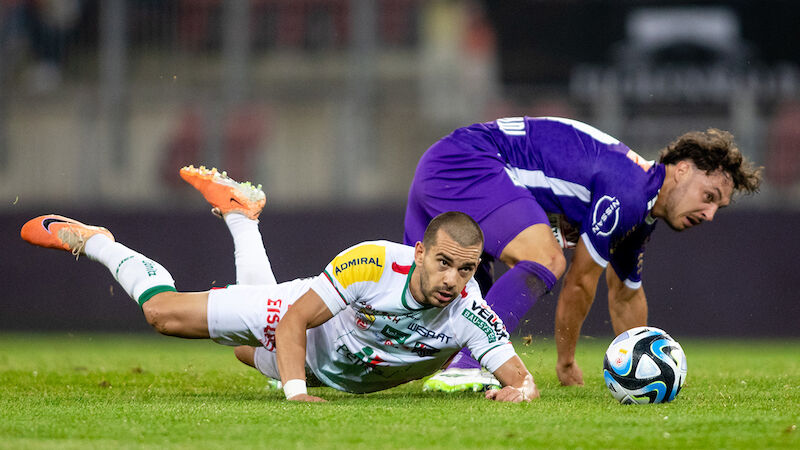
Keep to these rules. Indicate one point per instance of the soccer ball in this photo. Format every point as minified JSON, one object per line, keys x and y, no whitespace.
{"x":644,"y":365}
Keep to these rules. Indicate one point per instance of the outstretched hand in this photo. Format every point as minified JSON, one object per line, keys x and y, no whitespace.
{"x":510,"y":394}
{"x":569,"y":374}
{"x":306,"y":398}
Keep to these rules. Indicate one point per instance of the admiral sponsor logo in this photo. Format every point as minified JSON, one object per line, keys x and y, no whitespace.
{"x":363,"y":263}
{"x":424,"y":332}
{"x":606,"y":215}
{"x":486,"y":320}
{"x":357,"y":262}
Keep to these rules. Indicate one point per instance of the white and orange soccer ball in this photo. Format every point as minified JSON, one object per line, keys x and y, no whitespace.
{"x":644,"y":365}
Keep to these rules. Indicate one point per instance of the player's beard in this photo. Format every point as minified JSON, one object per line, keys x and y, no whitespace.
{"x":672,"y":215}
{"x":429,"y":292}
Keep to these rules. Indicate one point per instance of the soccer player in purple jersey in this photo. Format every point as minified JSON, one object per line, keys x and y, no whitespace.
{"x":516,"y":175}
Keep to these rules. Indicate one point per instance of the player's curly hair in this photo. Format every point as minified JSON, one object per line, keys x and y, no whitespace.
{"x":714,"y":150}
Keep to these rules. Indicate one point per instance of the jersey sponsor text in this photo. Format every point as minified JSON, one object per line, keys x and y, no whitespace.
{"x":363,"y":263}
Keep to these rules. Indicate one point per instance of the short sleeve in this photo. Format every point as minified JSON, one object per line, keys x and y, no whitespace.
{"x":627,"y":256}
{"x":484,"y":334}
{"x":617,"y":208}
{"x":349,"y":274}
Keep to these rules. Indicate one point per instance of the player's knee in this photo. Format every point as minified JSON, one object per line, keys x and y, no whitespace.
{"x":159,"y":317}
{"x":245,"y":354}
{"x":553,"y":260}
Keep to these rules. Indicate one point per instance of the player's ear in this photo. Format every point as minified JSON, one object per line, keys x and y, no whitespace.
{"x":683,"y":169}
{"x":419,"y":253}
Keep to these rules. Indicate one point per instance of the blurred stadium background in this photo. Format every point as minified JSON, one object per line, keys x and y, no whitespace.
{"x":330,"y":103}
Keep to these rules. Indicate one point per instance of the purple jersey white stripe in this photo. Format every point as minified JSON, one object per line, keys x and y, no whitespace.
{"x":597,"y":182}
{"x":570,"y":168}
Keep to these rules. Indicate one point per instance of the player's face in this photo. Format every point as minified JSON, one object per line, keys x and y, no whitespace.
{"x":444,"y":270}
{"x":696,"y":197}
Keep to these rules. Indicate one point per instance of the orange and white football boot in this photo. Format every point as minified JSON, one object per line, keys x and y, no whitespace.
{"x":225,"y":194}
{"x":59,"y":232}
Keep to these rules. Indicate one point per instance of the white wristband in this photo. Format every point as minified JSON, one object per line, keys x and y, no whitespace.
{"x":294,"y":387}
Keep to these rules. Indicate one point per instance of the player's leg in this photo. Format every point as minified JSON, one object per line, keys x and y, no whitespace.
{"x":239,"y":204}
{"x":246,"y":354}
{"x":144,"y":280}
{"x":519,"y":234}
{"x":180,"y":314}
{"x":450,"y":177}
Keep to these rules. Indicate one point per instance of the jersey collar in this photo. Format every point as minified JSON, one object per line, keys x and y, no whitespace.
{"x":407,"y":299}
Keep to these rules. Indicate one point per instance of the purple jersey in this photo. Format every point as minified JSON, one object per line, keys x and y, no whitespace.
{"x":597,"y":183}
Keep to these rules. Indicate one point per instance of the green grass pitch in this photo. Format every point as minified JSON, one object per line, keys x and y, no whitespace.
{"x":132,"y":391}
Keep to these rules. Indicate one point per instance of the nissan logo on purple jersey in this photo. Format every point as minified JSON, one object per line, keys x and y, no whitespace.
{"x":606,"y":216}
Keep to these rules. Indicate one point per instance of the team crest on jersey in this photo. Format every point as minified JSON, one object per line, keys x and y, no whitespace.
{"x":605,"y":216}
{"x":363,"y":263}
{"x":364,"y":320}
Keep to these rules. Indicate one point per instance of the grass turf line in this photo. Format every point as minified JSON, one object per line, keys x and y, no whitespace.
{"x":134,"y":391}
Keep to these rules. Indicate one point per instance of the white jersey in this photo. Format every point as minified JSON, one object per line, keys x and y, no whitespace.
{"x":380,"y":337}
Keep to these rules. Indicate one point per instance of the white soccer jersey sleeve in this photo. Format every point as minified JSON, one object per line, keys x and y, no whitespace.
{"x":481,"y":330}
{"x":352,"y":274}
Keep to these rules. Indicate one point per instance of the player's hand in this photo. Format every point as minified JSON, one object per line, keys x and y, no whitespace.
{"x":569,"y":374}
{"x":510,"y":394}
{"x":306,"y":398}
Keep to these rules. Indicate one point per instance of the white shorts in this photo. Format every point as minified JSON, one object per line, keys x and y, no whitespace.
{"x":249,"y":314}
{"x":267,"y":363}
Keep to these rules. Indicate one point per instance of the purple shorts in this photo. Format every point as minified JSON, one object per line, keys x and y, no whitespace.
{"x":452,"y":177}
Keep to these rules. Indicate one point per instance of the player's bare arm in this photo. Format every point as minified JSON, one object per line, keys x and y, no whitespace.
{"x":308,"y":311}
{"x":518,"y":384}
{"x":627,"y":307}
{"x":574,"y":302}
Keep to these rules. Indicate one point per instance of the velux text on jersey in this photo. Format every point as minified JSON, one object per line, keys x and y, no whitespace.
{"x":483,"y":318}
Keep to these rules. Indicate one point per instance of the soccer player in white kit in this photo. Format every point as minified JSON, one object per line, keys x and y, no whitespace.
{"x":379,"y":315}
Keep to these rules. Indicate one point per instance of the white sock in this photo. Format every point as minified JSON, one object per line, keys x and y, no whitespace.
{"x":252,"y":263}
{"x":139,"y":276}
